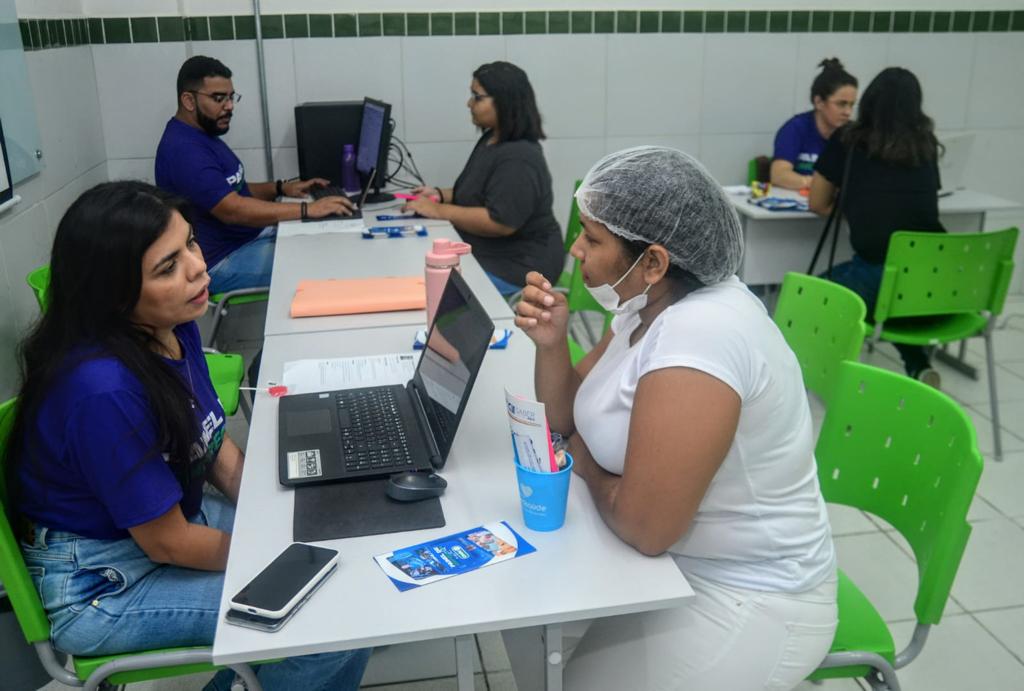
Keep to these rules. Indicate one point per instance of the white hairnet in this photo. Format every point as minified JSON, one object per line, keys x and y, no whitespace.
{"x":659,"y":195}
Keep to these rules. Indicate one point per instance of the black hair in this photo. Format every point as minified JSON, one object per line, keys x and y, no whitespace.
{"x":682,"y":280}
{"x":95,"y":283}
{"x":890,"y":124}
{"x":833,"y":76}
{"x":508,"y":85}
{"x":197,"y":68}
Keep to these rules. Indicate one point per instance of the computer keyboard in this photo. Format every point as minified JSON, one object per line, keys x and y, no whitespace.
{"x":372,"y":435}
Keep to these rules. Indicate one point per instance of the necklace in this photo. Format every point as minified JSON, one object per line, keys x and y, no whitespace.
{"x":191,"y":386}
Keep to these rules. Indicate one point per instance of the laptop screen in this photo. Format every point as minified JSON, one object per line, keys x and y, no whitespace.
{"x":455,"y":350}
{"x":6,"y":187}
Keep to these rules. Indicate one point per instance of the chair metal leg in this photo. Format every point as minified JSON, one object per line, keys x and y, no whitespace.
{"x":883,"y":669}
{"x":993,"y":397}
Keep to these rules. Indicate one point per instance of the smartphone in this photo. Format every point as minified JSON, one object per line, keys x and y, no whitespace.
{"x":278,"y":588}
{"x":254,"y":621}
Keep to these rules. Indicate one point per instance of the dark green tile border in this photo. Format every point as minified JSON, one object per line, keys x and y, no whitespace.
{"x":41,"y":34}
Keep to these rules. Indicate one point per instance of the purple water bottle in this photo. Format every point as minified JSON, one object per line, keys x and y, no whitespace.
{"x":349,"y":177}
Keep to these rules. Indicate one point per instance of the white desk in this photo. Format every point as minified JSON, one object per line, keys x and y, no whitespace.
{"x":348,"y":255}
{"x":578,"y":572}
{"x":779,"y":241}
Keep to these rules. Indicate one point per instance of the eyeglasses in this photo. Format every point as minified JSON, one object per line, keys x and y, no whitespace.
{"x":477,"y":97}
{"x":219,"y":97}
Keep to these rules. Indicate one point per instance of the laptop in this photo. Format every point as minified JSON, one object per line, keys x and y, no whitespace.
{"x":354,"y":434}
{"x":953,"y":162}
{"x":336,"y":191}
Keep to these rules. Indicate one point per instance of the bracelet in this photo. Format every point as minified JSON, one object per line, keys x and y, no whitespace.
{"x":303,"y":211}
{"x":440,"y":195}
{"x":280,"y":187}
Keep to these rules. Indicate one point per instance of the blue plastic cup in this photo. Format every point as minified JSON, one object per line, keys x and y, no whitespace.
{"x":544,"y":496}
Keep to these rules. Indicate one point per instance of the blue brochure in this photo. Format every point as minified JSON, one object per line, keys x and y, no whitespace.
{"x":427,"y":562}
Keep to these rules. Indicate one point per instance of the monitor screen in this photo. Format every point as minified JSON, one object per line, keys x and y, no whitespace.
{"x":6,"y":186}
{"x":372,"y":136}
{"x":455,"y":350}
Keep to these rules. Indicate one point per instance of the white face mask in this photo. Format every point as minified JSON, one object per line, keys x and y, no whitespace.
{"x":607,"y":297}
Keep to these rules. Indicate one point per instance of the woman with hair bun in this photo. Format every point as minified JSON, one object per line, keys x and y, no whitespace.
{"x":799,"y":142}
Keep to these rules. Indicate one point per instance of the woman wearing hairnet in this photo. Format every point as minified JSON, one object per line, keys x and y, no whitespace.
{"x":689,"y":424}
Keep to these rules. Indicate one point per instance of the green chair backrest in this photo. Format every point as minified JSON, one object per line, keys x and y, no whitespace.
{"x":945,"y":273}
{"x":573,"y":227}
{"x":823,"y":323}
{"x":13,"y":572}
{"x":906,"y":453}
{"x":39,"y":281}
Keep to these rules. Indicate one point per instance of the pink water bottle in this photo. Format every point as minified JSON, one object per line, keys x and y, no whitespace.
{"x":441,"y":259}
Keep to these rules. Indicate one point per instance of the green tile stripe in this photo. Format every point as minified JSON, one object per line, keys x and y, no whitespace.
{"x":45,"y":33}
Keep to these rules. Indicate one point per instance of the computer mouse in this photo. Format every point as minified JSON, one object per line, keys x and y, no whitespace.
{"x":414,"y":486}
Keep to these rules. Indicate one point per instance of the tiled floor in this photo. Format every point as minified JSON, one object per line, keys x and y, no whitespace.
{"x":980,"y":643}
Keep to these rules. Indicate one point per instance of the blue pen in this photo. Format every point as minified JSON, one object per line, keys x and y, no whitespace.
{"x":399,"y":218}
{"x":394,"y":231}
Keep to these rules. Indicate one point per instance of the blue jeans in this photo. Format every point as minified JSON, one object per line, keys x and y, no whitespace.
{"x":247,"y":267}
{"x":503,"y":286}
{"x":105,"y":597}
{"x":865,"y":278}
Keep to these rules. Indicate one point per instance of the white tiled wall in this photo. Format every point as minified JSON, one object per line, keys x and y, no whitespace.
{"x":67,"y":107}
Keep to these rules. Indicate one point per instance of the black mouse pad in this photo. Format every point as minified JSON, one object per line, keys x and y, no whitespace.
{"x":354,"y":509}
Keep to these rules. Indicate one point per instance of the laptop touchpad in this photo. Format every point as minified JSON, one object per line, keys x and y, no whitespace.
{"x":301,"y":423}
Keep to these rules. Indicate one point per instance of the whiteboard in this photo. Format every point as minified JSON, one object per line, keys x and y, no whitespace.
{"x":17,"y":106}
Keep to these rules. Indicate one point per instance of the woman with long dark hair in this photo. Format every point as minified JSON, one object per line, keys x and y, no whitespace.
{"x":892,"y":184}
{"x":117,"y":432}
{"x":501,"y":201}
{"x":800,"y":141}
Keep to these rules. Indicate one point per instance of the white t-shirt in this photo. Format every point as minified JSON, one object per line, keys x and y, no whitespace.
{"x":762,"y":524}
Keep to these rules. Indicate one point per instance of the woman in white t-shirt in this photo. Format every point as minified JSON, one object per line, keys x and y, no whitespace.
{"x":689,"y":424}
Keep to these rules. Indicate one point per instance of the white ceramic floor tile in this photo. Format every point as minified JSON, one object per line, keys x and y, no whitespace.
{"x":1002,"y":482}
{"x":831,"y":685}
{"x":981,"y":413}
{"x":959,"y":654}
{"x":501,"y":681}
{"x":886,"y":575}
{"x":492,"y":651}
{"x":1016,"y":368}
{"x":989,"y":575}
{"x":1008,"y":344}
{"x":1008,"y":626}
{"x":440,"y":684}
{"x":846,"y":520}
{"x":1009,"y":387}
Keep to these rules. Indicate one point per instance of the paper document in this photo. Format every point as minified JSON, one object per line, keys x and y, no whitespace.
{"x":310,"y":376}
{"x":531,"y":438}
{"x":334,"y":225}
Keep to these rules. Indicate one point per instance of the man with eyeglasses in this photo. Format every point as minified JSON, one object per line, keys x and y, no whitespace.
{"x":235,"y":221}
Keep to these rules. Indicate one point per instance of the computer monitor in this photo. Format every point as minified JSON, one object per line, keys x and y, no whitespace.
{"x":374,"y":141}
{"x":953,"y":162}
{"x":6,"y":184}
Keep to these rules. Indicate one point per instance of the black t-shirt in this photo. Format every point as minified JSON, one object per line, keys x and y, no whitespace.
{"x":881,"y":197}
{"x":511,"y":180}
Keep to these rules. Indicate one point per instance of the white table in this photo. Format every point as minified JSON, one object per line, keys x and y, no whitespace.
{"x":579,"y":572}
{"x":779,"y":241}
{"x":348,"y":255}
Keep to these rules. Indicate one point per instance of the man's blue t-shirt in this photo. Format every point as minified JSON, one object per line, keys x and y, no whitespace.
{"x":91,"y":464}
{"x":799,"y":142}
{"x":203,"y":169}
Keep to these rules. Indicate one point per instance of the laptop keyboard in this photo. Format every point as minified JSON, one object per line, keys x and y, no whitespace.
{"x":317,"y":192}
{"x":372,"y":435}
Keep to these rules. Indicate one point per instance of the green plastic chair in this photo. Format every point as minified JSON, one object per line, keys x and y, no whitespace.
{"x":759,"y":169}
{"x":89,"y":672}
{"x":221,"y":302}
{"x":580,"y":300}
{"x":823,"y":322}
{"x":959,"y":280}
{"x":572,"y":230}
{"x":908,"y":454}
{"x":226,"y":369}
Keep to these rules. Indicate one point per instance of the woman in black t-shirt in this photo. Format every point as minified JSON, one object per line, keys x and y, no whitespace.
{"x":892,"y":184}
{"x":501,"y":201}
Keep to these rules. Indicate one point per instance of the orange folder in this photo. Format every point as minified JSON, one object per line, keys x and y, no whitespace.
{"x":359,"y":295}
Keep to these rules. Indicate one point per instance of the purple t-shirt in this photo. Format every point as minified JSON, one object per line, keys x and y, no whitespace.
{"x":92,"y":465}
{"x":799,"y":142}
{"x":203,"y":169}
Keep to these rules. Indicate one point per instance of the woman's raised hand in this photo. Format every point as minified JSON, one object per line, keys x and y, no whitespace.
{"x":542,"y":313}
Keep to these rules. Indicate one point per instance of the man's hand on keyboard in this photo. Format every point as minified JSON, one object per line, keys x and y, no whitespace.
{"x":327,"y":206}
{"x":299,"y":188}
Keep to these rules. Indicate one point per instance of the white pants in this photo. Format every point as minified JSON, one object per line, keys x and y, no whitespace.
{"x":726,"y":639}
